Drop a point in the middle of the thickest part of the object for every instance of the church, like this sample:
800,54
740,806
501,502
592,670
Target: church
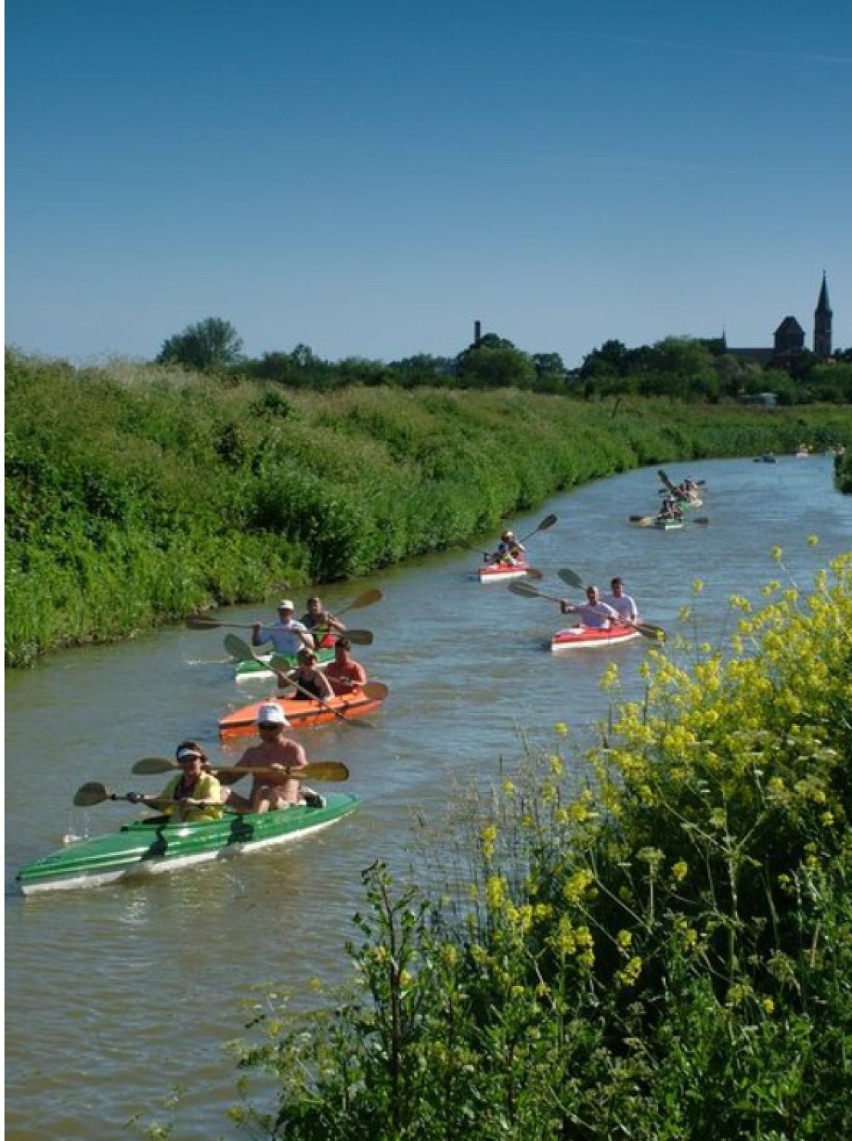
790,338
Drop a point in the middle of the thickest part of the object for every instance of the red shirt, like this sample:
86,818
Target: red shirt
343,672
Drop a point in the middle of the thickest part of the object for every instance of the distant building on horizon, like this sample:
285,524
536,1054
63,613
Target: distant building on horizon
790,337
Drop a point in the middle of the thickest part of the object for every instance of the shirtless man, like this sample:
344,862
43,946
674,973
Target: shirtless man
275,751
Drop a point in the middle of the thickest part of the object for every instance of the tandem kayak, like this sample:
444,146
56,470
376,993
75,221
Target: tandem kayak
591,637
502,572
300,714
257,669
148,847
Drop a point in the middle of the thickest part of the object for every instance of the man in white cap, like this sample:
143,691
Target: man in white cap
287,635
275,752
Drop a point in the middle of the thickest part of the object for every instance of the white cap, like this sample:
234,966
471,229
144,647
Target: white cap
187,754
271,714
286,604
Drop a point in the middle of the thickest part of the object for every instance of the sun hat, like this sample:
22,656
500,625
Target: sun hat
271,715
286,604
187,753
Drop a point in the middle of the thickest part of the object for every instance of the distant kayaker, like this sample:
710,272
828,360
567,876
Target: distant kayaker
322,624
509,550
344,673
594,613
621,602
275,751
196,792
670,509
287,635
310,681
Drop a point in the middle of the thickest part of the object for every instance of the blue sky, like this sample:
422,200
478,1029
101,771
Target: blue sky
370,178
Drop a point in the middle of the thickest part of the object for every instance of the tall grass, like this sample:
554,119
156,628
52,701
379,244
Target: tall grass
665,953
135,495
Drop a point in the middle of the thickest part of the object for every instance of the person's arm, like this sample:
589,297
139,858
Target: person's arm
306,636
324,684
566,607
256,627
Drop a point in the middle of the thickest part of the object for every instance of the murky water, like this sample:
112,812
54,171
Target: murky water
117,994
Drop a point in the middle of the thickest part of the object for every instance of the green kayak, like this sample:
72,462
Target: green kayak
148,847
256,669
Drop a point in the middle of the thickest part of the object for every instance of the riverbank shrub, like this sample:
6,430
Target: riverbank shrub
664,952
135,495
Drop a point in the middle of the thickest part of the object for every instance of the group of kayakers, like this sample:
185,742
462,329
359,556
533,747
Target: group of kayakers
196,793
599,612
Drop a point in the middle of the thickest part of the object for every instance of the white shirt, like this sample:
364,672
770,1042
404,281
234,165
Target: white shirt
285,636
624,605
597,616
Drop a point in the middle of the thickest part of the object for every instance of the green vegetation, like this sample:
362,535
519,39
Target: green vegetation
663,954
138,494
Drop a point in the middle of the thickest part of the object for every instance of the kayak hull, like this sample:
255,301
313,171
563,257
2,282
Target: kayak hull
145,848
257,669
497,572
589,637
300,714
668,524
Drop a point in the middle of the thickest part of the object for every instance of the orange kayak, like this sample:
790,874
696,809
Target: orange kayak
300,714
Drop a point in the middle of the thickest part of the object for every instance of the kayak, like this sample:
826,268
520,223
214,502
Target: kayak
256,669
148,847
300,714
502,572
591,637
668,524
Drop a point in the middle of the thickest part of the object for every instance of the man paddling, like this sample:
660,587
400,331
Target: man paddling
621,602
275,751
345,674
287,635
593,613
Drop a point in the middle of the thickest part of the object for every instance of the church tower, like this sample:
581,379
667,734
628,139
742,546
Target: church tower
822,323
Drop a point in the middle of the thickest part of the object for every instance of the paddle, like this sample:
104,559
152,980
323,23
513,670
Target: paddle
95,793
647,628
249,653
376,690
655,633
366,598
200,622
546,523
314,770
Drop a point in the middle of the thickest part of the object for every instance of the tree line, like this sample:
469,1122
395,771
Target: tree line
685,368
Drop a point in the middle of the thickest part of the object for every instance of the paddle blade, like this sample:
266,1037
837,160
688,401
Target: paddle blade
571,577
324,770
93,792
358,637
535,575
655,633
524,589
149,765
547,522
642,520
375,690
366,599
239,649
199,622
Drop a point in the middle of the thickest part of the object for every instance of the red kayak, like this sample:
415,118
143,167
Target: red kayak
585,637
300,714
503,572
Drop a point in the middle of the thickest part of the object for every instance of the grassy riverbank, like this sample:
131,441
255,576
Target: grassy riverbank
666,956
135,495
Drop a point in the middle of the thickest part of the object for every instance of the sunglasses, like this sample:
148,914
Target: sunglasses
270,725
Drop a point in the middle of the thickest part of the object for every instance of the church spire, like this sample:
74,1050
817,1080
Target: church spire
822,322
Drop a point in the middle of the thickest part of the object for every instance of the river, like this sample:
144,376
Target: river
117,995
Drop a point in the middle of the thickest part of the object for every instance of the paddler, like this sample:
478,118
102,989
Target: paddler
196,792
621,602
345,674
275,751
509,550
287,635
322,624
594,613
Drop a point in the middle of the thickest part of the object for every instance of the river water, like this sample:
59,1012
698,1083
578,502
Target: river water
117,995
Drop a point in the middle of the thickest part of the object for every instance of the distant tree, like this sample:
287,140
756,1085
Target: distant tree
550,372
210,345
493,362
